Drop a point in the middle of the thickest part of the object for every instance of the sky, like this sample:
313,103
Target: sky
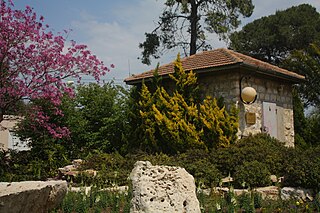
113,29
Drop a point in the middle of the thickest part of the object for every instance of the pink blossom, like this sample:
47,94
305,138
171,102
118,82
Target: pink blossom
34,65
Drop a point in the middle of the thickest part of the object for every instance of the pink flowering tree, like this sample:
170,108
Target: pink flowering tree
35,63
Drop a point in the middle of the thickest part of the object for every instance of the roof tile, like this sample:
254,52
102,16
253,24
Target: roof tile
215,58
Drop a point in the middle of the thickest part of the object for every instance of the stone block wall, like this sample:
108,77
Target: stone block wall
269,90
224,85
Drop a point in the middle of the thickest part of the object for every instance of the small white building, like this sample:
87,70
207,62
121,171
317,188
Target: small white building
7,138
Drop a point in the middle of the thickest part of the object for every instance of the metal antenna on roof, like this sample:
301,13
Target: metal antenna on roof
129,67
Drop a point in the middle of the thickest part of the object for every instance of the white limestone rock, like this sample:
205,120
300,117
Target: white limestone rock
273,178
31,196
160,189
287,193
225,190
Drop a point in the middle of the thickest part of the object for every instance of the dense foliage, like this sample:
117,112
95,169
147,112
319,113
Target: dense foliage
302,168
253,174
185,24
97,120
250,162
175,121
273,37
29,166
261,148
96,117
307,63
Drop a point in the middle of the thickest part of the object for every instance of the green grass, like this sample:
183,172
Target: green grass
95,201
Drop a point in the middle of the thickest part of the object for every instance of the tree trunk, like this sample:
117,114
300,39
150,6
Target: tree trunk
1,119
1,115
193,27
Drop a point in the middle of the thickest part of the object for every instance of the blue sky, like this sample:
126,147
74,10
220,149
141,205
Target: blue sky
113,28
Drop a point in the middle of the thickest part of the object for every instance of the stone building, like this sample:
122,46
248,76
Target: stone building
225,73
7,138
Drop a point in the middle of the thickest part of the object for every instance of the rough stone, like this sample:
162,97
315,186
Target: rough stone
227,179
86,190
31,196
162,189
225,190
70,171
287,193
269,192
273,178
204,191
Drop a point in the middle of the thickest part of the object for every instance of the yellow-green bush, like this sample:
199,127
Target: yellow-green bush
177,121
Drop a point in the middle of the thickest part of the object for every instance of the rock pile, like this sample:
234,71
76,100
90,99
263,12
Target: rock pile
70,171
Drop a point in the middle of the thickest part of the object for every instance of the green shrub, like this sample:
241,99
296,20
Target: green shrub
227,159
253,174
197,163
27,165
113,169
260,147
159,159
302,168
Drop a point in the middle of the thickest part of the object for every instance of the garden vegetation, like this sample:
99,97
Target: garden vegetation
111,128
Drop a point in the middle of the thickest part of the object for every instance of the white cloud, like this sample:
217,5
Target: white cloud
116,41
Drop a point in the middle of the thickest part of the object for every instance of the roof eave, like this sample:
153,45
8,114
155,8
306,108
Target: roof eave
198,71
251,67
273,73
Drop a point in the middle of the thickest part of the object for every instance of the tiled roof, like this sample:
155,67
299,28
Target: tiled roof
215,59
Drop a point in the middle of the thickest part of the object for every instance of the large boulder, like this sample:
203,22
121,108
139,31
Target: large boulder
31,196
162,189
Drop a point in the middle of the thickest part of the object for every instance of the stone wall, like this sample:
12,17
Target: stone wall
7,138
269,90
224,85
